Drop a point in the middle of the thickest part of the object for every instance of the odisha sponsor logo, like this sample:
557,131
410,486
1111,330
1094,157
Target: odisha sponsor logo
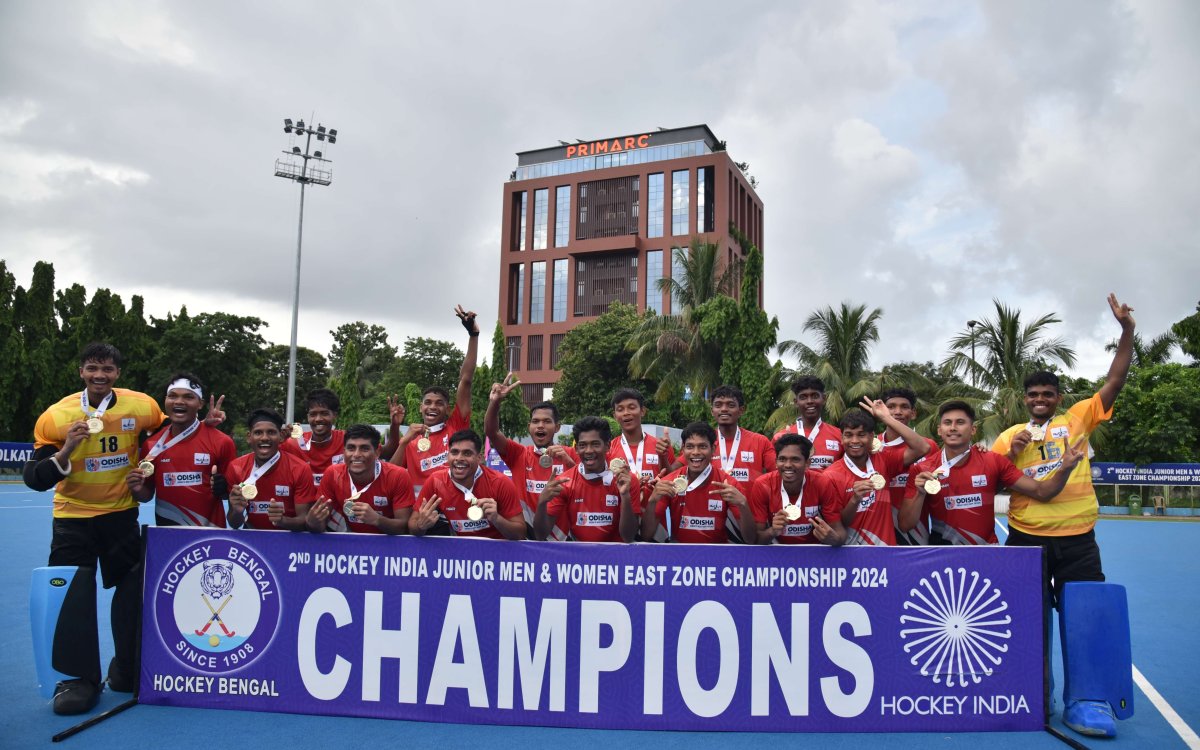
106,463
956,630
183,479
217,606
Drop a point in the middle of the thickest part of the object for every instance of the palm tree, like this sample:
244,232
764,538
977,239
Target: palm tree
1156,352
1006,353
844,339
670,348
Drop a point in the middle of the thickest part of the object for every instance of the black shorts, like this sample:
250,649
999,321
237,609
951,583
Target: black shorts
113,538
1068,558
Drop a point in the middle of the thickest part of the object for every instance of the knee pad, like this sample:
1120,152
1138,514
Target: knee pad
64,595
1097,660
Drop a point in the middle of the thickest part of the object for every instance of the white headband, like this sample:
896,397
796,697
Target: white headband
186,385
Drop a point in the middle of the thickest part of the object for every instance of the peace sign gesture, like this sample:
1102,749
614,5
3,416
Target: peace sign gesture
501,390
215,415
426,516
468,319
396,410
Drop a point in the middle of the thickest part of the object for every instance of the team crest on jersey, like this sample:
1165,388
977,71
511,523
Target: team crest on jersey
217,607
1060,433
128,424
282,490
106,463
748,457
832,445
202,459
338,459
979,480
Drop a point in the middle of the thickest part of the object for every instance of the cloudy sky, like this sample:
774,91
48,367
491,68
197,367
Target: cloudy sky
924,157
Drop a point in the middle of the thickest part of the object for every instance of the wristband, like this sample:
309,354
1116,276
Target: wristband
61,470
473,334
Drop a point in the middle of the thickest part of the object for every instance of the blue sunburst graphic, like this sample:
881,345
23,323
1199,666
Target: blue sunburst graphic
957,627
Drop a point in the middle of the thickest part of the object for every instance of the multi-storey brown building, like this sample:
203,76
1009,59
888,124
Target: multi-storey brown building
590,223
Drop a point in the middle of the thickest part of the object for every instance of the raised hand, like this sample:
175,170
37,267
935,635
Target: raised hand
426,516
215,415
501,390
1074,454
553,488
468,319
1123,313
728,492
396,410
76,434
874,407
318,513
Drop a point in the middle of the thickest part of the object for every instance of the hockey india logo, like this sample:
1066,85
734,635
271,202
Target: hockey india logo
217,606
955,627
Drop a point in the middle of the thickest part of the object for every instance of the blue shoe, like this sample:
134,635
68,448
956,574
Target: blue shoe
1091,718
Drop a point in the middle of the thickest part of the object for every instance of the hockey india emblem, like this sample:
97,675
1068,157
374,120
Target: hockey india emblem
955,627
217,606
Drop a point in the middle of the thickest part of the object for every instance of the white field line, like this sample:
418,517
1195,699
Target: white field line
1186,733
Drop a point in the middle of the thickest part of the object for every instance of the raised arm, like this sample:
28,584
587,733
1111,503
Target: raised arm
462,396
915,446
491,419
1119,369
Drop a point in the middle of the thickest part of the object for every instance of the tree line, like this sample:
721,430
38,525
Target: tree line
720,335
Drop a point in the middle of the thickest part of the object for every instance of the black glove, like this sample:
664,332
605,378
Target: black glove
220,486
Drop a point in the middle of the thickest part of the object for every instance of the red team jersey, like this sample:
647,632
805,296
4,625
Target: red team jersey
873,522
818,496
183,476
650,467
391,491
755,456
530,477
289,482
826,444
318,456
421,464
489,483
697,517
589,510
964,511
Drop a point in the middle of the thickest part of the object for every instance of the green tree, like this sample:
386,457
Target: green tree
594,362
1006,351
426,362
346,386
1156,418
13,373
47,376
844,337
514,415
1156,351
375,354
311,373
1187,334
671,349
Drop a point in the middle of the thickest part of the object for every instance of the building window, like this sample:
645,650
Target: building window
541,217
556,340
519,282
653,274
679,202
654,216
601,279
558,308
535,352
677,276
562,215
537,292
512,353
519,220
608,208
704,199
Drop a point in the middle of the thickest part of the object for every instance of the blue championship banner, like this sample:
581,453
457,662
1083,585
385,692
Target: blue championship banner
1172,474
647,636
14,455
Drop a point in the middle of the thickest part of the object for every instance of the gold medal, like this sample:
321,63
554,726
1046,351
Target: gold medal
616,464
877,481
932,486
249,491
95,425
475,513
545,461
876,445
297,432
792,512
1037,433
348,509
423,444
680,484
146,467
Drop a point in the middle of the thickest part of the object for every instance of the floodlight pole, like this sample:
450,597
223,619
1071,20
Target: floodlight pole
318,175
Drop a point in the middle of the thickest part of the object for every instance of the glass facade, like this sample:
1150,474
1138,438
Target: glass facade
654,215
520,293
679,202
558,308
704,200
519,219
537,292
677,276
541,217
562,215
604,161
653,274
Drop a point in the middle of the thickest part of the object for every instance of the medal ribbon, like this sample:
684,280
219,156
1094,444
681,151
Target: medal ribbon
729,459
260,470
699,480
641,452
606,475
98,412
467,493
799,498
163,444
435,428
812,437
354,490
890,443
948,464
854,469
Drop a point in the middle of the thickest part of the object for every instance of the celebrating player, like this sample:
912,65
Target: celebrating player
322,446
531,465
425,447
472,499
183,465
700,498
809,398
796,504
362,494
957,485
742,454
860,476
591,502
268,489
902,405
86,444
646,455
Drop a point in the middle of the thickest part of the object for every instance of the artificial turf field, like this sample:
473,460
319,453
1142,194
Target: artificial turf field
1158,561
